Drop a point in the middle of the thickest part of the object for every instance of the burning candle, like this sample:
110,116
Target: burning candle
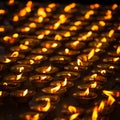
85,96
68,74
47,69
68,52
23,95
57,90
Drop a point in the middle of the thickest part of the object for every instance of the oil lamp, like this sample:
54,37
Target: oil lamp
30,115
49,69
22,95
85,96
39,80
43,106
59,59
54,90
19,68
68,52
70,75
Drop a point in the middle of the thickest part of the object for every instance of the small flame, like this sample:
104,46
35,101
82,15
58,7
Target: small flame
103,72
93,85
64,83
101,106
79,62
38,57
32,62
2,29
25,29
56,25
110,100
21,69
42,12
73,28
23,47
34,117
7,60
62,18
26,42
69,7
118,50
77,23
56,88
74,116
88,14
15,54
15,18
18,77
114,6
40,36
104,39
44,49
106,92
48,69
54,45
1,93
25,92
67,34
94,27
91,54
75,43
95,113
102,23
58,37
67,51
10,2
99,45
2,11
86,93
15,35
116,59
32,25
94,76
72,109
111,33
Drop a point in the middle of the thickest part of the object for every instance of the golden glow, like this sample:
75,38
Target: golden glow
101,106
41,12
32,25
2,11
79,62
56,25
23,47
22,12
25,29
108,15
38,57
58,37
18,77
44,49
114,6
91,54
104,39
62,19
7,60
94,76
67,51
93,85
86,93
33,117
72,109
111,33
39,19
102,23
110,100
69,7
48,69
116,59
99,45
15,54
106,92
1,93
54,45
32,62
15,18
103,71
73,28
74,116
52,5
67,34
2,29
77,23
118,50
118,28
56,88
21,69
64,83
10,2
25,92
40,36
26,42
94,6
29,4
75,43
88,14
94,28
15,35
95,113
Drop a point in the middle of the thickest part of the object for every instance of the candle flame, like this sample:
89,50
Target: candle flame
1,93
111,33
32,62
93,85
72,109
91,54
67,51
40,36
33,117
41,12
2,11
69,7
58,37
114,6
64,83
25,92
10,2
38,57
74,116
95,113
21,69
23,47
77,23
101,106
94,28
86,93
56,88
7,60
79,62
15,54
102,23
2,29
18,77
118,50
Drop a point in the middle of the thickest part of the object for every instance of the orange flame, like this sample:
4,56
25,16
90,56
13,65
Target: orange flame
102,23
86,93
77,23
58,37
38,57
2,29
10,2
91,54
101,106
25,92
41,12
111,33
74,116
1,93
54,45
118,50
32,25
21,69
15,18
64,83
18,77
2,11
95,113
114,6
62,18
69,7
72,109
56,88
15,54
93,85
94,27
79,62
7,60
33,117
23,47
